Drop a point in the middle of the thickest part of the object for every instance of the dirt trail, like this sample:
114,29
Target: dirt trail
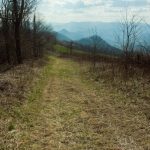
74,116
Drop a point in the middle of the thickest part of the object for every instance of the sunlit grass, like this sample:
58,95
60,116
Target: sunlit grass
61,48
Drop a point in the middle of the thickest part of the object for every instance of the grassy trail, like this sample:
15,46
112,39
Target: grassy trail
73,115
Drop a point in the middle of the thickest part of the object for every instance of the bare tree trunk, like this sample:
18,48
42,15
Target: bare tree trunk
7,48
34,37
94,56
6,36
95,43
18,43
17,23
4,15
71,47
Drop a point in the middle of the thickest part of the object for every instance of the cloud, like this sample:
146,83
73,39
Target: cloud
77,5
130,3
82,4
90,10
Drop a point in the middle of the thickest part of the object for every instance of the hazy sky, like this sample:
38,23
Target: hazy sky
91,10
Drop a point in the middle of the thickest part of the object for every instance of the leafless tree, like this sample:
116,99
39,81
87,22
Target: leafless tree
130,32
20,9
41,33
95,45
35,53
16,25
5,15
71,47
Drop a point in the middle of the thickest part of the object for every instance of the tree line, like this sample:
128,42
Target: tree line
22,34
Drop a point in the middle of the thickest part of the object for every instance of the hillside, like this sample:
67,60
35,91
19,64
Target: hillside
72,35
102,46
62,37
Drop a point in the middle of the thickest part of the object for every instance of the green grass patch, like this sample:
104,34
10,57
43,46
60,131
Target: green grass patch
36,92
61,48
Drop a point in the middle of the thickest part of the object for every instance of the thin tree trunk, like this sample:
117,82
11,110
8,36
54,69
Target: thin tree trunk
7,50
6,36
17,24
18,43
35,51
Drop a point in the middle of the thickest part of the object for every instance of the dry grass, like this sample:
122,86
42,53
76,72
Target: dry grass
16,82
135,87
74,112
16,87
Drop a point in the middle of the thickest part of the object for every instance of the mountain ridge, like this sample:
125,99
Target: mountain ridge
107,30
101,45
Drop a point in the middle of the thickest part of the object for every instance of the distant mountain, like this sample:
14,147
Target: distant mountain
90,41
107,30
102,45
72,35
62,37
79,30
64,32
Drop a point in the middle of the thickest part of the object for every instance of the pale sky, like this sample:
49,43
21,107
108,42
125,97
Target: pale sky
91,10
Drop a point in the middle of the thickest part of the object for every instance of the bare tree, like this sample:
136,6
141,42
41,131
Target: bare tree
71,47
21,9
130,32
5,16
41,34
16,26
95,45
35,53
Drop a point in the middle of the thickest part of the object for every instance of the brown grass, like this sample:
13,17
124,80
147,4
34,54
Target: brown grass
81,111
16,82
